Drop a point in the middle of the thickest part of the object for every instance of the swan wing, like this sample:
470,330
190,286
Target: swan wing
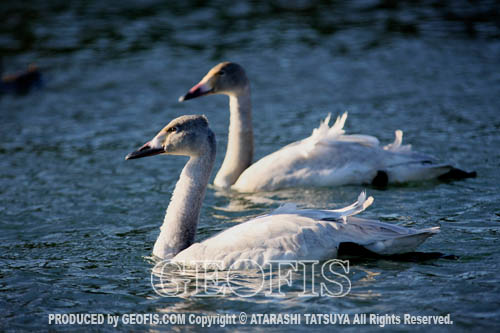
325,134
330,158
326,158
328,215
295,237
298,235
331,163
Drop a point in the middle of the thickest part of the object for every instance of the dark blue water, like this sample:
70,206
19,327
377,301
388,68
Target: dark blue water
78,222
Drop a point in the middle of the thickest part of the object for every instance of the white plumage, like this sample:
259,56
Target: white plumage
287,233
300,234
328,157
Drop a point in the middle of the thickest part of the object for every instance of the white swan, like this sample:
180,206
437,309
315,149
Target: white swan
287,233
327,158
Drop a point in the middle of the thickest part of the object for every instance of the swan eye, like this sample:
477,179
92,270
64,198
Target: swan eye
172,129
221,73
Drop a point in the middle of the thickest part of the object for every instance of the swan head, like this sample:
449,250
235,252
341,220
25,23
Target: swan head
185,135
227,78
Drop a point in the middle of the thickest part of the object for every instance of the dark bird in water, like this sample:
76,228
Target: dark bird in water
20,83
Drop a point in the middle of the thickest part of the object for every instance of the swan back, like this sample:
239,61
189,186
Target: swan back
289,233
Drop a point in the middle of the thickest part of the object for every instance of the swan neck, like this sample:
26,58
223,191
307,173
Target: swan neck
181,219
239,152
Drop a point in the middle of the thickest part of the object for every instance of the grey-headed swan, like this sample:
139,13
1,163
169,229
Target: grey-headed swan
327,158
286,233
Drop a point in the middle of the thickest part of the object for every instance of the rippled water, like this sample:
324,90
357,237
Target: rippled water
78,222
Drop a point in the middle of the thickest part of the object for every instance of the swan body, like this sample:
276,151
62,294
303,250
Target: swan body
287,233
328,157
331,158
294,234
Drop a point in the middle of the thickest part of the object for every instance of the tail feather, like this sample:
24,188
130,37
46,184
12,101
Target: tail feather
397,146
325,131
357,207
339,123
349,249
418,172
457,174
401,244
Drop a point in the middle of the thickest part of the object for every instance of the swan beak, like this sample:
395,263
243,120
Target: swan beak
146,150
198,90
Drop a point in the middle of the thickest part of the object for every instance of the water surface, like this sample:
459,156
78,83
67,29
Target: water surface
78,222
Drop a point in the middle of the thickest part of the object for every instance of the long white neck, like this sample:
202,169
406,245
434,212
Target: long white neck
181,220
239,153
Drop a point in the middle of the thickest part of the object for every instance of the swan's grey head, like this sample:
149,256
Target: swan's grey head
186,135
226,78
